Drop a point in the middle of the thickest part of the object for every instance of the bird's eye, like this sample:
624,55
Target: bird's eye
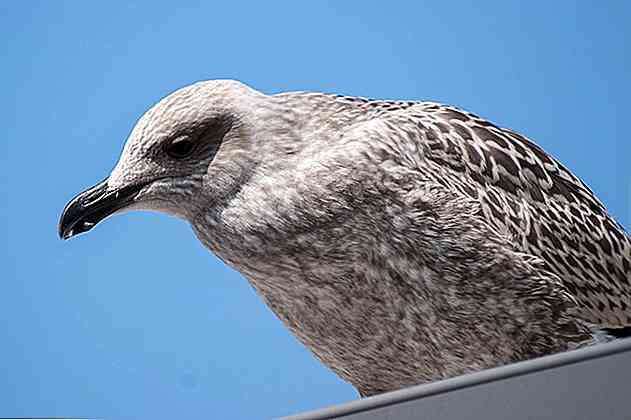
180,148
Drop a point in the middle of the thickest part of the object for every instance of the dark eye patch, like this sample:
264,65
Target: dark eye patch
202,139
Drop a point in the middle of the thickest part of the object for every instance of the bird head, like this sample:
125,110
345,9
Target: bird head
188,151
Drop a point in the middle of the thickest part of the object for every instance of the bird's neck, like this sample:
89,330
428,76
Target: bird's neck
303,178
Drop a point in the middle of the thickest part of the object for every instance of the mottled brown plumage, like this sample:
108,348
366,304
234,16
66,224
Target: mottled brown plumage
401,242
525,192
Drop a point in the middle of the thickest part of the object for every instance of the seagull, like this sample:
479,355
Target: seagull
401,242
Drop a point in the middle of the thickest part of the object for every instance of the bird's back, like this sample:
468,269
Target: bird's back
528,194
519,189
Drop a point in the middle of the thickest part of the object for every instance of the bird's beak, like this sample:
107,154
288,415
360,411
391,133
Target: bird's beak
87,209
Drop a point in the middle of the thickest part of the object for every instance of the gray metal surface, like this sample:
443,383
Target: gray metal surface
591,383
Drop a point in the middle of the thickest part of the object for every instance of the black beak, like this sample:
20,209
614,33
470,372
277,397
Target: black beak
87,209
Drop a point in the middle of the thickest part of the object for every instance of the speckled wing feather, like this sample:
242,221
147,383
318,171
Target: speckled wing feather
527,193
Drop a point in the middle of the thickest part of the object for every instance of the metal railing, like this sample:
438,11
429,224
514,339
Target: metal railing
592,383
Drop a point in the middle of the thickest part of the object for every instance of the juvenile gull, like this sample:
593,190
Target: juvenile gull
401,242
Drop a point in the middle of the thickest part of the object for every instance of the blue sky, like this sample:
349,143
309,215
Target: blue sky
136,319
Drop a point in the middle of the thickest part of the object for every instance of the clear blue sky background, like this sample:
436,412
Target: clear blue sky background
136,319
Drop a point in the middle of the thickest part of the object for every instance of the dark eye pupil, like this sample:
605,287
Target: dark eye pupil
180,148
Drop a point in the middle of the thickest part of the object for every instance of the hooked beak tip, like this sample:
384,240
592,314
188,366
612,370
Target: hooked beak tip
88,208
